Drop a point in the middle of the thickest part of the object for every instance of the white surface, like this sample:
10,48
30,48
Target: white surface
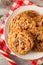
3,61
19,61
31,55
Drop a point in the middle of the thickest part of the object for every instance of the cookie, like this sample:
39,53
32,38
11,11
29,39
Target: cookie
20,42
38,44
39,34
38,47
39,26
22,22
32,13
39,20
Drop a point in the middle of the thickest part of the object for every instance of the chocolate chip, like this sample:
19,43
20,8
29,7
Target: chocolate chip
26,28
22,35
42,23
24,20
39,41
37,25
23,48
31,15
30,45
15,35
16,43
18,18
13,19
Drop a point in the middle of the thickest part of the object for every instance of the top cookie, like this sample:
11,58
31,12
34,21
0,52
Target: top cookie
23,22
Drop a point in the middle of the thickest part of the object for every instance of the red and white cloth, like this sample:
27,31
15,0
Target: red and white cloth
3,48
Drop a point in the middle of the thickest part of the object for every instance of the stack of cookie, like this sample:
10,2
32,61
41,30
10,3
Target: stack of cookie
26,32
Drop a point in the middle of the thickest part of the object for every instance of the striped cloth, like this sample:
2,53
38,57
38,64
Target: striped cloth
3,47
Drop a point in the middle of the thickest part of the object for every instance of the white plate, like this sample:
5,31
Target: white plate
30,55
38,2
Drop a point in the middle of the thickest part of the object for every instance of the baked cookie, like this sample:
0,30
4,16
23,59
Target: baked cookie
20,42
38,47
38,38
22,22
39,20
39,34
39,26
32,13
